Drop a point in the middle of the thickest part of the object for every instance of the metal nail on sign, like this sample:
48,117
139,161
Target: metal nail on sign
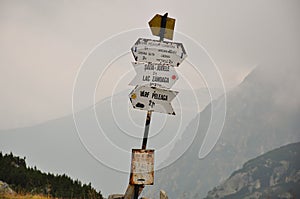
148,50
152,99
154,74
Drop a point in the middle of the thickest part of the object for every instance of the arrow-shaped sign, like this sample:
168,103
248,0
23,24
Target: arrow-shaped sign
153,99
148,50
154,74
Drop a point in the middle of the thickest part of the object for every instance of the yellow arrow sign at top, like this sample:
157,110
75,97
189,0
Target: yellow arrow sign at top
156,24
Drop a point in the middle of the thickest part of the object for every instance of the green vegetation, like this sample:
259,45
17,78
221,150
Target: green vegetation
25,180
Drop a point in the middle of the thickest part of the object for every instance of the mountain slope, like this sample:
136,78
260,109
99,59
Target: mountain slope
275,174
26,180
262,114
58,147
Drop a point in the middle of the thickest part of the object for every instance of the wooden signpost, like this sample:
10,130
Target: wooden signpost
155,67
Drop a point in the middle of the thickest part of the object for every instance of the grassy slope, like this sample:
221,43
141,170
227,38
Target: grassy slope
17,196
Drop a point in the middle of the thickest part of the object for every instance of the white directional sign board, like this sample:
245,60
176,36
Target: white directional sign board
153,99
154,74
148,50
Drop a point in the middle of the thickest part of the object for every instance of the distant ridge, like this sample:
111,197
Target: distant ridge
262,114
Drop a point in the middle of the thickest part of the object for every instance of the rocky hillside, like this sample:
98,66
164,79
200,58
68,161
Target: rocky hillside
262,114
275,174
5,189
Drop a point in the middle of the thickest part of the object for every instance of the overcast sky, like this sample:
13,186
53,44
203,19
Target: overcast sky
43,43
